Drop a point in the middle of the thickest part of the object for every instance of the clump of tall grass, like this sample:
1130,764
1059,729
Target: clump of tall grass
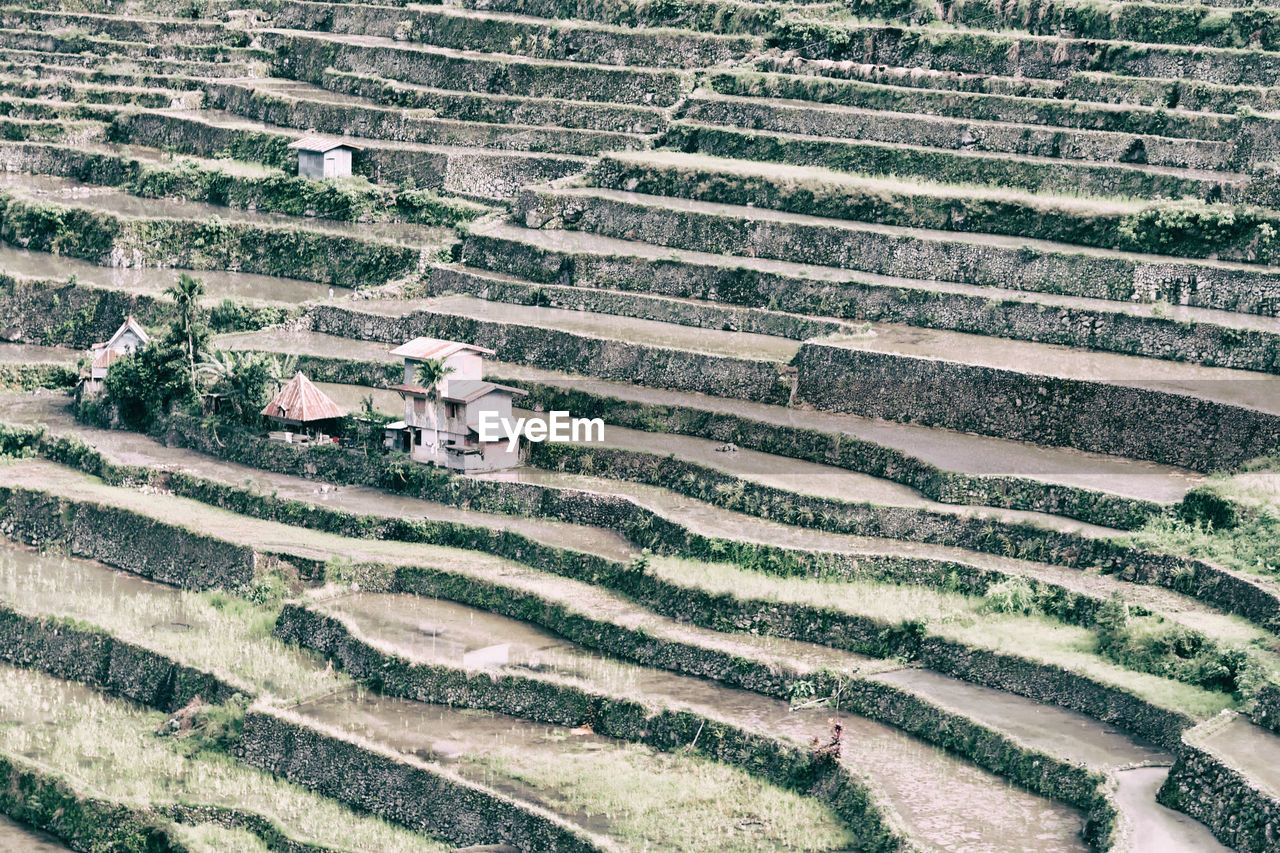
110,748
669,801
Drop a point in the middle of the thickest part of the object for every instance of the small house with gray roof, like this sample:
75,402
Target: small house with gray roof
322,157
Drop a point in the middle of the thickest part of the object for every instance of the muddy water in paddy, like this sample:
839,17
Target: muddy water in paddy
132,448
19,838
943,801
812,478
32,354
149,279
742,345
40,583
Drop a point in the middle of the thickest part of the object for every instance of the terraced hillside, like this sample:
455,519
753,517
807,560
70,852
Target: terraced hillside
938,347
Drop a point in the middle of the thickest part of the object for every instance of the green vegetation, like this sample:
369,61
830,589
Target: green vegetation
347,199
1233,520
111,748
665,801
1166,664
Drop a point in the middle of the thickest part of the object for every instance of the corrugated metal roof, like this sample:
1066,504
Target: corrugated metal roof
107,355
322,144
301,401
467,390
421,349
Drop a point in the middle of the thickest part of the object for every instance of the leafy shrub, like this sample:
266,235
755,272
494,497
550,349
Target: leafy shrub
1205,506
1195,229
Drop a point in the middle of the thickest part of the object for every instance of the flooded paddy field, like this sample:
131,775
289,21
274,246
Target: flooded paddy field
640,798
1067,222
218,284
909,775
16,838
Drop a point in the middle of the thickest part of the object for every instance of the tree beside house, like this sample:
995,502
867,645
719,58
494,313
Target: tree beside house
445,395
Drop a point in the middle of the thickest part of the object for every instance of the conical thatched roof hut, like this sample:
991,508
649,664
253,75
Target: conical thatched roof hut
302,404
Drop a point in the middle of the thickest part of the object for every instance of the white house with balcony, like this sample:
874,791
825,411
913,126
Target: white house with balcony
441,424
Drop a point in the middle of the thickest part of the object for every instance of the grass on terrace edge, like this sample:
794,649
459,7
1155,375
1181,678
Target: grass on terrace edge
112,748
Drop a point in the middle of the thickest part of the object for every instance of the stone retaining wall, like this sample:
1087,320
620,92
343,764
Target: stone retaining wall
553,349
105,238
861,298
1235,808
547,700
1164,427
121,538
945,257
1014,55
844,451
400,788
1266,707
49,803
80,653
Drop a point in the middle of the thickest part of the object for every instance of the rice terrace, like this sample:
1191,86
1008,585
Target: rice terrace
594,426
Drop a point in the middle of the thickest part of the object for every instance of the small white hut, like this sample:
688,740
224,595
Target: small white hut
322,157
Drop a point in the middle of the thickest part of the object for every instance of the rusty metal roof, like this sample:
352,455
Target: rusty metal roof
301,401
322,144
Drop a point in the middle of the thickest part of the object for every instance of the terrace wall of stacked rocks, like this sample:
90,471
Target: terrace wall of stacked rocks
1266,708
555,703
1016,55
90,656
78,315
302,57
1242,238
738,284
123,539
861,634
290,252
471,171
846,451
1227,590
559,703
1175,429
271,193
399,788
1203,786
722,376
50,803
1101,276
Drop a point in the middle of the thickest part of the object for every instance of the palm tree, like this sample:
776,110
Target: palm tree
186,293
237,376
430,374
281,369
